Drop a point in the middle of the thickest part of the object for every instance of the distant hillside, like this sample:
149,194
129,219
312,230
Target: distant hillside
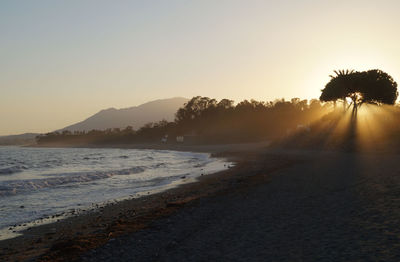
135,116
23,139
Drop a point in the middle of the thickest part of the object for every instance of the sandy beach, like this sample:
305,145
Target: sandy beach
274,205
215,131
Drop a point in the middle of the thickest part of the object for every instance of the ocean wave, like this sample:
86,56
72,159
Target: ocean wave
159,165
92,158
12,170
159,181
147,158
55,180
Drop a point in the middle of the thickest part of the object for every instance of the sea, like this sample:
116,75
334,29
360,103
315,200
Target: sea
39,185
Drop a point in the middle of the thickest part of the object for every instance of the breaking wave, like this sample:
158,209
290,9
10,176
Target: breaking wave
54,180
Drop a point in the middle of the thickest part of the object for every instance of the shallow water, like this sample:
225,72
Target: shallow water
40,182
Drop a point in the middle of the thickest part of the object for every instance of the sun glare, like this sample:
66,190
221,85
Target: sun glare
364,128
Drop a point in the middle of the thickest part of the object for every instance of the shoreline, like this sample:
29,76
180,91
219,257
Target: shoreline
87,230
200,148
42,212
288,205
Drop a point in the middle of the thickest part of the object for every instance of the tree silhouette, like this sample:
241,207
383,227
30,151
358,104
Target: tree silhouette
373,86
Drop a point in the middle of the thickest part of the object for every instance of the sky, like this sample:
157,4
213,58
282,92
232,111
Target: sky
62,61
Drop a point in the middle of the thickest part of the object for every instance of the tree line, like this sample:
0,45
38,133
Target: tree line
207,120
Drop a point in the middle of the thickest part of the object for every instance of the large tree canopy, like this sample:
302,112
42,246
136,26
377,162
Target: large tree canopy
373,86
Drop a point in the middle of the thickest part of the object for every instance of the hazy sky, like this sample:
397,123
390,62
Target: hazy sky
62,61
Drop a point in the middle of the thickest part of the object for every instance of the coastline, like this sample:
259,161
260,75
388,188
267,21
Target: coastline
66,238
201,148
287,205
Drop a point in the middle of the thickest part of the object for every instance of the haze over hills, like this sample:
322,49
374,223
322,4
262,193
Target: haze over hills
136,116
22,139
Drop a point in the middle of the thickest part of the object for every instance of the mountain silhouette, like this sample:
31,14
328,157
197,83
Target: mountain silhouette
135,117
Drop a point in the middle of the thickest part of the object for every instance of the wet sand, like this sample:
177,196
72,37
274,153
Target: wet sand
275,205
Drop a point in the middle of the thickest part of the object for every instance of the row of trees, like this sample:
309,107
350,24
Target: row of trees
109,136
212,121
246,121
207,120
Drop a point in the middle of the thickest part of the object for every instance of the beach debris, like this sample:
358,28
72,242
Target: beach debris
21,206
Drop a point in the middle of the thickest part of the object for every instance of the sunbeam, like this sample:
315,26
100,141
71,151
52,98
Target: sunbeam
368,128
